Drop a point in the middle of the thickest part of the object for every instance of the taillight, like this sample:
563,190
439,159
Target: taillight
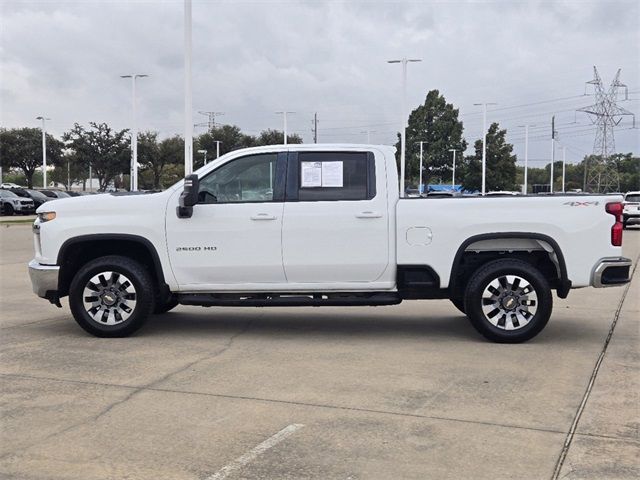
615,209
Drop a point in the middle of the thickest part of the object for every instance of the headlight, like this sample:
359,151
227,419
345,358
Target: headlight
46,216
16,202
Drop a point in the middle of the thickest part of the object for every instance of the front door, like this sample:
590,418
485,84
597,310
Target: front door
336,220
234,235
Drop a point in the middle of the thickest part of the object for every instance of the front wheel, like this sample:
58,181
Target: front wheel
508,301
8,210
111,296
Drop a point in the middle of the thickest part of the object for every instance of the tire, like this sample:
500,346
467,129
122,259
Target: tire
8,210
495,301
111,296
458,302
163,306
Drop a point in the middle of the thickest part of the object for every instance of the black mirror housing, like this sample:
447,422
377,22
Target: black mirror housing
189,196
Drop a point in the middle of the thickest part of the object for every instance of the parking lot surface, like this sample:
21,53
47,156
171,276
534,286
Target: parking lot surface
403,392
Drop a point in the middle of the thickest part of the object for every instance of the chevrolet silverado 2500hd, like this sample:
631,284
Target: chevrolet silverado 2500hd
313,225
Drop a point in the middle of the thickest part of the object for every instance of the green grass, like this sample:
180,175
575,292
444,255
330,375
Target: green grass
22,221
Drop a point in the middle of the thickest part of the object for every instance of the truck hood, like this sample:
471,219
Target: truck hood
102,203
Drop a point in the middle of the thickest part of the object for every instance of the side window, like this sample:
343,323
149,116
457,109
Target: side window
245,179
335,176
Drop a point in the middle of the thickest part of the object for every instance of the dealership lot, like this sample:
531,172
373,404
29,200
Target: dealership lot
409,391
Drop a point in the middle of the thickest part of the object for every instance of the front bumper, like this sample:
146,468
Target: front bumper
611,272
44,280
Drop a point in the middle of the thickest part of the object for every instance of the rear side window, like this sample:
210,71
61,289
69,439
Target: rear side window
632,198
331,176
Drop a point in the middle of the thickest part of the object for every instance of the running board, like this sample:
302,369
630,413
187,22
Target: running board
289,300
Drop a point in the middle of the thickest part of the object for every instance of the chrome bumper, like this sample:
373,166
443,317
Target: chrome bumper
44,279
611,272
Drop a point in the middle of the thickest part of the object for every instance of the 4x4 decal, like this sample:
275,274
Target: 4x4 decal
582,204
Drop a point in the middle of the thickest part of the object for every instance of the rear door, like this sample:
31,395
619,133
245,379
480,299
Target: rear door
336,220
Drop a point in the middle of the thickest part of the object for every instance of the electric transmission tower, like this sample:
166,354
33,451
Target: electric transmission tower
601,171
211,123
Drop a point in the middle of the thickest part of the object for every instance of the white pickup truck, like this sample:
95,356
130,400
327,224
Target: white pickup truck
313,225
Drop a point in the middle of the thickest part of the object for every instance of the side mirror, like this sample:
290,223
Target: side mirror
189,196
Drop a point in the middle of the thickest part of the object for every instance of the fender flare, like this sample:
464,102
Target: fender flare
564,284
157,264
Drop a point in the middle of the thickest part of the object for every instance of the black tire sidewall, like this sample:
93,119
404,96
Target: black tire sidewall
9,210
141,281
486,274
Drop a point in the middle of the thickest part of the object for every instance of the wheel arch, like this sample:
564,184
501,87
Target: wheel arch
76,251
562,284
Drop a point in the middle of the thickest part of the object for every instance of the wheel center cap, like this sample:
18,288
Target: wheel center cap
510,302
109,298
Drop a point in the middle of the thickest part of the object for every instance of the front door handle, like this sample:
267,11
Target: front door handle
369,215
262,216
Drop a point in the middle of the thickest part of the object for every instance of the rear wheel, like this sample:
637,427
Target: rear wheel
508,301
111,296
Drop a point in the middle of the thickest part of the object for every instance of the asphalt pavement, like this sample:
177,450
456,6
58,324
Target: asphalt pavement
403,392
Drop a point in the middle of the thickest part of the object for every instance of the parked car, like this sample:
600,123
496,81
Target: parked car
12,203
10,185
502,193
631,212
328,230
37,197
55,193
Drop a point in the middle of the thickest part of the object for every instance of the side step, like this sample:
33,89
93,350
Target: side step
289,300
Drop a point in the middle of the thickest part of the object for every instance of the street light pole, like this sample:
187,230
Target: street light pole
453,174
564,165
484,145
420,189
553,149
526,156
133,169
284,115
403,132
188,96
218,142
44,150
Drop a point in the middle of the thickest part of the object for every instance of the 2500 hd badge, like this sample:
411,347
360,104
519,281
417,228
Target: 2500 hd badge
195,249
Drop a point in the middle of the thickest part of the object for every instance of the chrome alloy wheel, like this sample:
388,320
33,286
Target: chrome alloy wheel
509,302
109,298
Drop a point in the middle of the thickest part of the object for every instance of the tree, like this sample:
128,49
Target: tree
69,170
21,148
104,149
436,124
230,136
155,156
501,164
629,171
276,137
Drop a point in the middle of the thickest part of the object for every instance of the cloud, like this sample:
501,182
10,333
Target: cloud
252,58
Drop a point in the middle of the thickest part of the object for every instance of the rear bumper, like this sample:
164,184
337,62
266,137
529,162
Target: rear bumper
611,272
44,280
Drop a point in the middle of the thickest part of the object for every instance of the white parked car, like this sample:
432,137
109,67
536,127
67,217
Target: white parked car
631,212
13,204
314,225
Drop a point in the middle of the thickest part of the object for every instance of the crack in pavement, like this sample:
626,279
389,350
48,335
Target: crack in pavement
592,379
136,390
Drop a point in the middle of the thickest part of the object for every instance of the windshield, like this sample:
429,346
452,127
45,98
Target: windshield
7,194
632,198
62,194
38,195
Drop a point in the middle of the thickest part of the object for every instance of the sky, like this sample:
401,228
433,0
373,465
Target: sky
63,60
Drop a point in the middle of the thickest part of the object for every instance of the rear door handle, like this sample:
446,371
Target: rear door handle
262,216
369,215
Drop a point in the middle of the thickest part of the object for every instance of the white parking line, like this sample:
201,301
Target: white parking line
255,452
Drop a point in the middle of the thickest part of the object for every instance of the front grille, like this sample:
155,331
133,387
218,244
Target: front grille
26,202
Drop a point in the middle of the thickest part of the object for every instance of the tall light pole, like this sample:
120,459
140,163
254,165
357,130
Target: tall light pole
420,189
188,96
526,156
453,174
553,149
44,150
403,132
133,169
205,155
484,145
218,142
284,116
564,165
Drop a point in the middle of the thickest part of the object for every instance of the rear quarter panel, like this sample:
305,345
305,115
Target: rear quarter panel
579,224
